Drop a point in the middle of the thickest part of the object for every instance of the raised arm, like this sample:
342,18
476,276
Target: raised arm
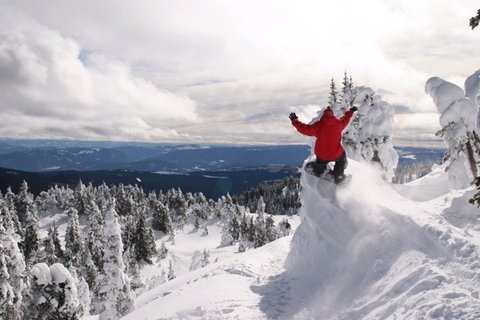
347,116
306,129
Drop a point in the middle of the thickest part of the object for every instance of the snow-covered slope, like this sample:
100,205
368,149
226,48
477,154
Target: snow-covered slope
365,250
371,251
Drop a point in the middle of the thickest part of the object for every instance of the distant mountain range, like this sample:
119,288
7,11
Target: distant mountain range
212,169
49,156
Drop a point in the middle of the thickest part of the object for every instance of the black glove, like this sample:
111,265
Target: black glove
292,116
353,109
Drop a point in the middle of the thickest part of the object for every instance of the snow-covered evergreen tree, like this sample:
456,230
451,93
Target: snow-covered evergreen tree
53,249
270,229
24,203
458,127
84,294
333,96
284,227
73,240
178,206
200,259
369,137
161,220
114,285
143,240
9,205
163,251
12,278
171,272
7,294
95,235
347,96
31,239
260,228
53,294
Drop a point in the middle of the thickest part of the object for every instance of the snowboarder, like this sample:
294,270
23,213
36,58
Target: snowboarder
328,146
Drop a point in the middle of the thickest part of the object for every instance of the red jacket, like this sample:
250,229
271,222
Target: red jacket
328,131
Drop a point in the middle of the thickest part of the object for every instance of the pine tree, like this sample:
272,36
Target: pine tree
53,249
205,258
270,229
458,128
333,99
24,203
31,240
114,285
73,240
475,20
78,194
251,230
53,294
161,218
95,235
143,241
9,204
124,201
163,251
260,232
7,295
12,269
83,293
244,227
178,206
171,273
368,138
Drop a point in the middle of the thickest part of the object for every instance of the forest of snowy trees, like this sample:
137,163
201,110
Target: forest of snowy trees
92,267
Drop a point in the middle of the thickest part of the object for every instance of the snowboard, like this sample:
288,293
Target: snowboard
327,175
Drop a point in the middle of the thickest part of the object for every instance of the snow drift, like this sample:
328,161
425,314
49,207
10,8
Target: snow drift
372,250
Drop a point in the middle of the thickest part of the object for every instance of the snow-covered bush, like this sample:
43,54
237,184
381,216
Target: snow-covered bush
53,294
458,117
369,137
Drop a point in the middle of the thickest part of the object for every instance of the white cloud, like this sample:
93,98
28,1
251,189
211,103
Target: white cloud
47,91
233,69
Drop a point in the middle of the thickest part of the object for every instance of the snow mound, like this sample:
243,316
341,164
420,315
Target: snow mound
370,250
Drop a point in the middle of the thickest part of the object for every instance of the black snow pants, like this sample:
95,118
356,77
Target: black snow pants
318,166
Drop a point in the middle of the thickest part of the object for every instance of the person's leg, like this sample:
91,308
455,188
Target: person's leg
317,167
339,168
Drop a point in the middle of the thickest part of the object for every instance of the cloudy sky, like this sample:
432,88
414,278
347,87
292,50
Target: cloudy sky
220,70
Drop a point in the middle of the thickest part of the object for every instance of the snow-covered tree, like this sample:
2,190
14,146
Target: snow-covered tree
284,227
458,114
270,229
200,259
31,239
333,96
7,294
12,278
171,272
114,285
161,220
369,137
24,203
9,204
73,240
163,251
143,241
53,294
178,206
475,20
53,249
95,235
83,293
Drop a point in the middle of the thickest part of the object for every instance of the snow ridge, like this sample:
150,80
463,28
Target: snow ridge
367,251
